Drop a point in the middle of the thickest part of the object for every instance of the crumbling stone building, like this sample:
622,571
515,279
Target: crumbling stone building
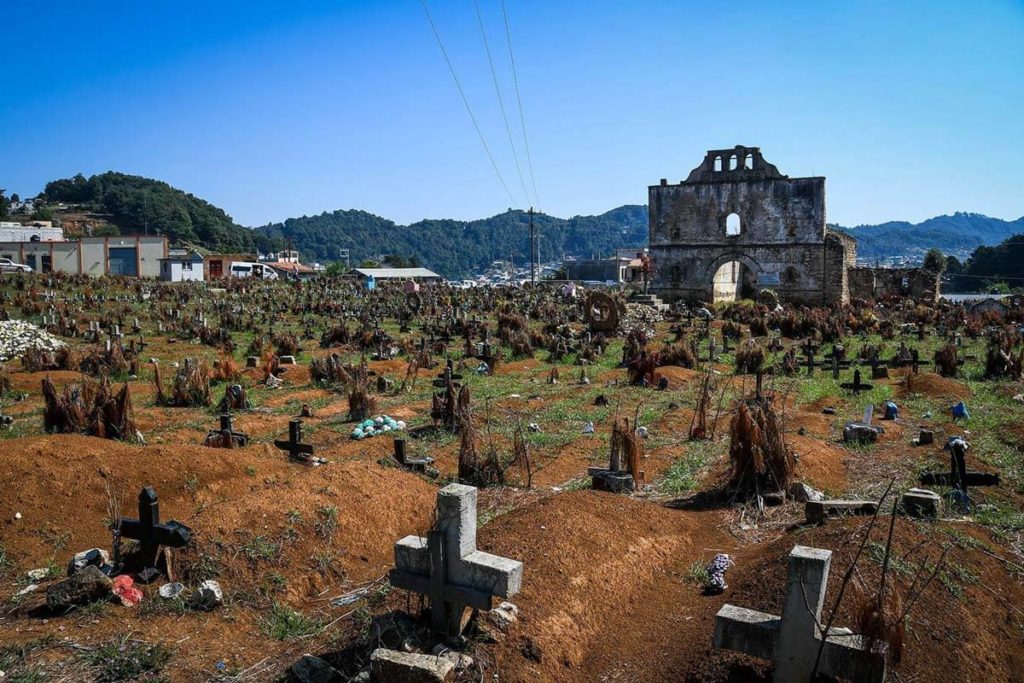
906,283
737,225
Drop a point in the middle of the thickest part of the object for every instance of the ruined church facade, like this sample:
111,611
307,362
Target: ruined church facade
737,226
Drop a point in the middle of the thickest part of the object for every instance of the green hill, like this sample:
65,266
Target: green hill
958,235
457,249
132,203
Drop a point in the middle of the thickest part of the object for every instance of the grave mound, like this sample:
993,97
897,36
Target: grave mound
934,385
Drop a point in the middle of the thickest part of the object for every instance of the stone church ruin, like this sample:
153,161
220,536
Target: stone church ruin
737,226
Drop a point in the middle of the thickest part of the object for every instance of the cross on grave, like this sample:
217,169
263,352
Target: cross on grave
837,363
725,343
879,369
294,446
228,436
915,360
856,386
447,567
809,361
958,477
151,534
793,640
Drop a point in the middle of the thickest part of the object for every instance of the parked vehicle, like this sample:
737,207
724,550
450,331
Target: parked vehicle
248,269
9,266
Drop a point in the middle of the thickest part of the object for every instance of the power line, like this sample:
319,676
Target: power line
465,101
501,102
519,102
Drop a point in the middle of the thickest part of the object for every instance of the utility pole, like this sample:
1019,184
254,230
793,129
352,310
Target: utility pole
533,250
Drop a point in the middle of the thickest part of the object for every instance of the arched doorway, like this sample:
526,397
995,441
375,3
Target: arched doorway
732,278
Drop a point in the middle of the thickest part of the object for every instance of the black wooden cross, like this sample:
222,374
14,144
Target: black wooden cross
229,437
856,386
958,477
294,446
915,360
725,343
809,361
879,367
151,534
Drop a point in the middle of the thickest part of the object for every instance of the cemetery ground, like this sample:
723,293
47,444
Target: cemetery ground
614,585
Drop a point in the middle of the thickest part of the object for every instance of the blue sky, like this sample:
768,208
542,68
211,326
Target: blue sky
272,110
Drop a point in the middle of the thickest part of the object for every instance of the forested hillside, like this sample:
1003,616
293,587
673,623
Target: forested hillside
958,235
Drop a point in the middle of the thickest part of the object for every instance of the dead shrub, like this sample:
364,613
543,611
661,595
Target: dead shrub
680,355
751,357
760,459
190,387
626,448
286,345
329,371
360,404
947,362
89,408
336,336
226,369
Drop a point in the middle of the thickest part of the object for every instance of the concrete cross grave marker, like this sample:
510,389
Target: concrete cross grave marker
448,568
792,641
151,534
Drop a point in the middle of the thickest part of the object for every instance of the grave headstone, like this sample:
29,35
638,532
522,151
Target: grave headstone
793,640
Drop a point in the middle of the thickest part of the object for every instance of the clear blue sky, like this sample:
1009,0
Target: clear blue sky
278,109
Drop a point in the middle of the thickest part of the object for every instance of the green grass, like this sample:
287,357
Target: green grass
127,660
260,548
283,623
683,475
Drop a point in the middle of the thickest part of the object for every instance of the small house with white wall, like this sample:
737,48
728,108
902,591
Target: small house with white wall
182,268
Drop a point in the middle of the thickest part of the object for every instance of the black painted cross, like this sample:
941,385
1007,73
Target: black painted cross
151,534
809,361
958,476
856,386
294,446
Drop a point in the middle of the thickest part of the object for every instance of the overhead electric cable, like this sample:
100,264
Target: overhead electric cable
501,101
519,102
465,101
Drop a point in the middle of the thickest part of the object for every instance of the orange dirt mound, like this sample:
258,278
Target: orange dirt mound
931,384
228,497
599,567
677,376
819,464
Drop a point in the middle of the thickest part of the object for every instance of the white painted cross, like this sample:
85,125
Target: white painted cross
448,568
793,639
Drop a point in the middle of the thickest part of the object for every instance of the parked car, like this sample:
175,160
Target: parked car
257,270
9,266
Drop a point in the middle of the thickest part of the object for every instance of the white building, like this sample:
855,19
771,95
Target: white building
182,268
36,231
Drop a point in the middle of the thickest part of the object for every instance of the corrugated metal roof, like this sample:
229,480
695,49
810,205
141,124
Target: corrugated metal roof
393,273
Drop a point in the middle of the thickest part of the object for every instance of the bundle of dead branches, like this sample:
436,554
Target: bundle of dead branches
699,422
627,449
519,344
641,368
947,361
329,371
190,386
5,380
35,359
226,368
474,469
235,398
89,408
360,404
106,361
286,345
336,336
1002,362
761,461
750,358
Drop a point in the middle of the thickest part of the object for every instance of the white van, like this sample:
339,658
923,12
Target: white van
248,269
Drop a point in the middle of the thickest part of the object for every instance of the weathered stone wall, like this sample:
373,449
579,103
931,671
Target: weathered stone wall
910,283
781,237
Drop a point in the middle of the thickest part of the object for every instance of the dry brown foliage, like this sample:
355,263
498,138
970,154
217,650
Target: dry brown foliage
761,460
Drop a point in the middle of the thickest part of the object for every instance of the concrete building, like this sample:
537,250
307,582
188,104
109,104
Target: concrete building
182,268
736,225
623,268
132,255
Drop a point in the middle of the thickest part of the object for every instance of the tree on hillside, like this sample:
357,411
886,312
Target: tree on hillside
934,261
5,204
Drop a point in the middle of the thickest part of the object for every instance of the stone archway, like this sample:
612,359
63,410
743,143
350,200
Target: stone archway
731,276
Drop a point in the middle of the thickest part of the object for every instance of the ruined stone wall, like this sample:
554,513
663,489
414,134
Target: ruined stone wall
780,237
910,283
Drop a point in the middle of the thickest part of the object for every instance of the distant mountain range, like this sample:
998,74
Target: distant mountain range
455,249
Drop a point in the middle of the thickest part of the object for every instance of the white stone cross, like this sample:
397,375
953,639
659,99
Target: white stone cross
792,640
448,568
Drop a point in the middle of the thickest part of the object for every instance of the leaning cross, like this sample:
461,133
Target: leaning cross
150,533
793,640
448,568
